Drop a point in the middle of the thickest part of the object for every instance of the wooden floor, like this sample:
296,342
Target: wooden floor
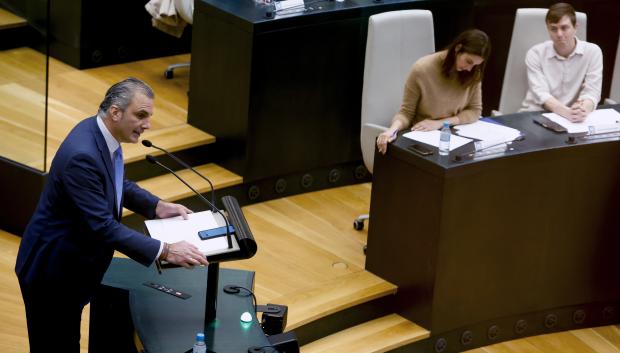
73,95
303,240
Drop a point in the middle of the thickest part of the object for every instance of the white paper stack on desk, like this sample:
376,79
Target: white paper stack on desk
605,119
488,134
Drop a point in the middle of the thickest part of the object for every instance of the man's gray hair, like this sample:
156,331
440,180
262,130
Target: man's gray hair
121,94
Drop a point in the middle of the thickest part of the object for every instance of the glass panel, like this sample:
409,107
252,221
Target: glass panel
23,81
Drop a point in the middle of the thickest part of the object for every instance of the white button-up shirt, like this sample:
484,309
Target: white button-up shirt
110,141
576,77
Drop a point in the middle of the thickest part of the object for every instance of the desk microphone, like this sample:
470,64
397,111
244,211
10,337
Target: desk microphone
147,143
154,160
459,157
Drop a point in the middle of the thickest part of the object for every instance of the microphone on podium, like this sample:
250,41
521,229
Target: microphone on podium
148,143
153,160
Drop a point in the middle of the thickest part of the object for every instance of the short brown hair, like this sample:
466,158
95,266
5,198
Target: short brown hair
559,10
473,42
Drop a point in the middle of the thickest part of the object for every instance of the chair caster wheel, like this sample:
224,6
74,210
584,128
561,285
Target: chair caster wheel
168,74
358,225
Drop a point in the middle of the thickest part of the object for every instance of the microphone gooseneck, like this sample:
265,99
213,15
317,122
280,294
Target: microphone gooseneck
148,143
153,160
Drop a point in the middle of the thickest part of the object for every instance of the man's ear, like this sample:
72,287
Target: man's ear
115,112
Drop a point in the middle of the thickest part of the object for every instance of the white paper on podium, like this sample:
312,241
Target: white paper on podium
432,138
175,229
602,117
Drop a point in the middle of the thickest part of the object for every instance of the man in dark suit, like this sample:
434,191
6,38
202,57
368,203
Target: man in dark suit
70,240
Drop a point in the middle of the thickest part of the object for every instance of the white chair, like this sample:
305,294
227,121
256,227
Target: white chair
395,41
185,9
529,29
614,93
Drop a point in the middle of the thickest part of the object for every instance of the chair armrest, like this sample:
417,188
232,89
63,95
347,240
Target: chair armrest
368,141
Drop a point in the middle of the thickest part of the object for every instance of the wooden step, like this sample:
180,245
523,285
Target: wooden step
173,138
310,304
169,188
379,335
26,144
10,20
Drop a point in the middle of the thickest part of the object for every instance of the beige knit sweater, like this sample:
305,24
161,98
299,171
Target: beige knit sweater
430,95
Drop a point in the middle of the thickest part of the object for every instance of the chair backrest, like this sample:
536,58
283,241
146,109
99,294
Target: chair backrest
395,41
185,9
529,29
615,79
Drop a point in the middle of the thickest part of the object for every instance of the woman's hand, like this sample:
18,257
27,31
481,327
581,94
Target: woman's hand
384,138
427,125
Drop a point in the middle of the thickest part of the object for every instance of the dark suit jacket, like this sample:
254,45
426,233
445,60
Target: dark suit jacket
75,228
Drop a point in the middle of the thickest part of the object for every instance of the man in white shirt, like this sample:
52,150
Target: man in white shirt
564,74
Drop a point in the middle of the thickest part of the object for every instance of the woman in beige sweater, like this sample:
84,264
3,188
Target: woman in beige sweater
443,86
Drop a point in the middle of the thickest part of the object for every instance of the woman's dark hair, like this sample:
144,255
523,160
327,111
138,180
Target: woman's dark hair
474,42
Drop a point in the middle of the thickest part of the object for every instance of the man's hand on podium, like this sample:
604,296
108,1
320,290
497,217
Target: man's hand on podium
167,209
184,254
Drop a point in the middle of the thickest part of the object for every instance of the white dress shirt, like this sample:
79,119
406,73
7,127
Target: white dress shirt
576,77
110,141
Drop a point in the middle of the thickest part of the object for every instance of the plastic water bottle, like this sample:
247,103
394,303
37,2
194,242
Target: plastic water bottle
200,346
444,139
